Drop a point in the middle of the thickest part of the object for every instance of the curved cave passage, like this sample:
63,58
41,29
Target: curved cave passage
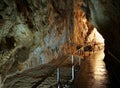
110,62
102,68
105,63
93,72
108,26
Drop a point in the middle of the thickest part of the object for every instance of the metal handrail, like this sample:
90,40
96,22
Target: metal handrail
73,69
77,51
58,77
113,56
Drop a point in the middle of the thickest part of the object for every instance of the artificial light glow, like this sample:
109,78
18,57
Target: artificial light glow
98,36
95,37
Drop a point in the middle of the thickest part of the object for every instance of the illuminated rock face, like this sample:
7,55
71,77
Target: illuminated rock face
80,26
84,31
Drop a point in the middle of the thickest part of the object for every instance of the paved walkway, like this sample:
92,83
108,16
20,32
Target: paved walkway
92,73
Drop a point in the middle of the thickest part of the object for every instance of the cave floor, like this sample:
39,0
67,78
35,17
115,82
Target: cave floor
91,74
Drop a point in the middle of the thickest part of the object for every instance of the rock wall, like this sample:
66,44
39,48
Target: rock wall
80,26
84,32
32,32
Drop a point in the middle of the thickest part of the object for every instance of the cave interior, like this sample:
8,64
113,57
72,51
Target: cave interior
34,33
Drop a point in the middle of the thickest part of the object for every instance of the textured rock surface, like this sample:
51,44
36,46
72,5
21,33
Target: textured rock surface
84,31
31,33
82,28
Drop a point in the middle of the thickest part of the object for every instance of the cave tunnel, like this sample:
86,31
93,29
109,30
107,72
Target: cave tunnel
108,29
59,44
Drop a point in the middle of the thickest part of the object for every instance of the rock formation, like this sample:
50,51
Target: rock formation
34,32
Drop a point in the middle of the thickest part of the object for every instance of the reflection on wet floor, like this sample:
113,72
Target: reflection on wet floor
92,73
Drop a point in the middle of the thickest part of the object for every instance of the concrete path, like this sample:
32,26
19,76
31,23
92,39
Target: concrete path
92,74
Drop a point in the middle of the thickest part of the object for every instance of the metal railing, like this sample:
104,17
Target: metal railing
73,64
113,56
72,68
58,77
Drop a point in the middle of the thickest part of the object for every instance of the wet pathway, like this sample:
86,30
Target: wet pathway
92,73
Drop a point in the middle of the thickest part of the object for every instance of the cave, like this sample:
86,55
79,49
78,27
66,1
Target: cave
59,44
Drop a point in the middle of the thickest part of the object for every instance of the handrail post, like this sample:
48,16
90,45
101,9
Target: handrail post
58,77
72,60
0,81
79,58
84,52
73,71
